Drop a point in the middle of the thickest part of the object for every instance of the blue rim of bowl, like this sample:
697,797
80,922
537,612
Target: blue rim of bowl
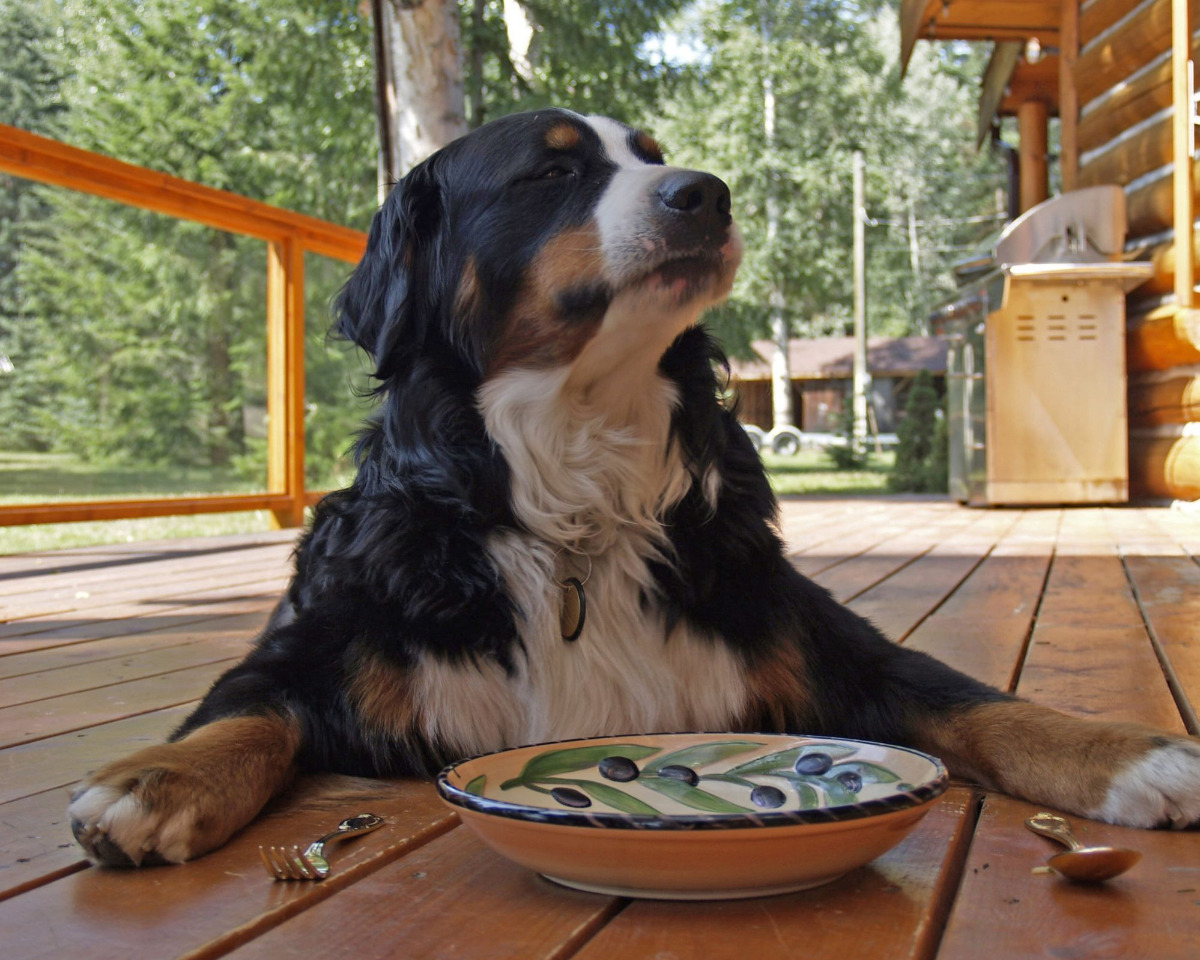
901,800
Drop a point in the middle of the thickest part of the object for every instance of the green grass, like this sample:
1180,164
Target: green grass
52,478
46,478
812,472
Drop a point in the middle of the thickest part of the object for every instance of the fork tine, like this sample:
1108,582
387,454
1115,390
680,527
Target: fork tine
268,859
303,870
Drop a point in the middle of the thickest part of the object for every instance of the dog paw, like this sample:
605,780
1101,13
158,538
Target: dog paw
120,825
176,801
1161,788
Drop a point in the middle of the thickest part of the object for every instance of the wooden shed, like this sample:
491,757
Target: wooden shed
1117,74
822,370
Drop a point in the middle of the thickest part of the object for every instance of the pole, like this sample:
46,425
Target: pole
1183,153
861,375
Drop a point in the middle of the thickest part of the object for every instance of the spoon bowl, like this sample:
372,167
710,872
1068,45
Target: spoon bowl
1081,863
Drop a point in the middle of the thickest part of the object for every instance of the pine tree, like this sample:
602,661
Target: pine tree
916,438
31,75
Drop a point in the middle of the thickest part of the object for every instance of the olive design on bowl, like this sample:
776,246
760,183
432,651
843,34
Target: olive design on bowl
814,764
768,797
570,797
850,780
620,769
676,771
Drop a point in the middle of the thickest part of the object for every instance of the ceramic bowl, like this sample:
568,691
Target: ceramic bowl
694,816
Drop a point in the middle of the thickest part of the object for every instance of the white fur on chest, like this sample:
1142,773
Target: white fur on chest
581,485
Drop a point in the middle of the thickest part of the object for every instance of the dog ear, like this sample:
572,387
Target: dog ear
389,303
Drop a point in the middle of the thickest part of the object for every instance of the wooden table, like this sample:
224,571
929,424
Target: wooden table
1094,610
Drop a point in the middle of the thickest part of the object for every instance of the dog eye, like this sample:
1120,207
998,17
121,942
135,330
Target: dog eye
555,171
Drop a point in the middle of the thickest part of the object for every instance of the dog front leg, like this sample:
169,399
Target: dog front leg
175,801
1118,772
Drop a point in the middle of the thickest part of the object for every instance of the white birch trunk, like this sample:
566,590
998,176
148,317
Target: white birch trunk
782,408
423,58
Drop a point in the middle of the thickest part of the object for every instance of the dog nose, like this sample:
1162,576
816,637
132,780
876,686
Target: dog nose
700,194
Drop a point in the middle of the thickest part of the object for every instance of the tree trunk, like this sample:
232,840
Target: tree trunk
782,408
519,25
419,55
478,114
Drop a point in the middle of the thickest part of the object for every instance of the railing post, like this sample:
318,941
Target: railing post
285,378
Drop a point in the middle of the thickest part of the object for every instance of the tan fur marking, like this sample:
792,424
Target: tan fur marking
207,786
382,694
777,691
649,146
1036,753
537,334
466,298
563,136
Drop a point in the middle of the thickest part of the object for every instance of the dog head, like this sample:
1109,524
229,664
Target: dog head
541,239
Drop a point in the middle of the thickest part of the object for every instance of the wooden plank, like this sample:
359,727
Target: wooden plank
1115,55
36,720
1089,657
37,687
851,577
48,161
62,634
120,592
1129,103
49,562
1148,149
17,514
983,628
1168,591
845,538
1005,910
1099,15
15,636
101,568
36,845
79,593
1182,525
1090,653
891,908
225,898
900,603
59,761
459,900
119,648
285,380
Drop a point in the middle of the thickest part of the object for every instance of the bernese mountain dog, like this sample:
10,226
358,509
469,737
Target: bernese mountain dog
559,530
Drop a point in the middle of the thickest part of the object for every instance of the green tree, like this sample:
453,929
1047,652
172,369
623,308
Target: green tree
914,469
832,69
588,55
152,328
30,80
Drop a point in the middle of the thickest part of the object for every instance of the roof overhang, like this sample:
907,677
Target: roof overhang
1009,81
995,20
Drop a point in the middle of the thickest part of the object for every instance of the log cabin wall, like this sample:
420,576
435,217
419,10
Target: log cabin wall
1123,78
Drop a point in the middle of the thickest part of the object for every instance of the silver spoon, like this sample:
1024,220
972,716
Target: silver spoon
1079,862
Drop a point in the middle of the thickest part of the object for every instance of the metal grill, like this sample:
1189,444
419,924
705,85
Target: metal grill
1036,364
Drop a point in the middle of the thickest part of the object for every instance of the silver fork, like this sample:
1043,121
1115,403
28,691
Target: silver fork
310,864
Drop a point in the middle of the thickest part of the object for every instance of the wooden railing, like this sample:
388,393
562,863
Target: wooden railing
288,237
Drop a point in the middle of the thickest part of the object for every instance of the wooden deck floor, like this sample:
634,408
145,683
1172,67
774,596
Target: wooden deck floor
1096,611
